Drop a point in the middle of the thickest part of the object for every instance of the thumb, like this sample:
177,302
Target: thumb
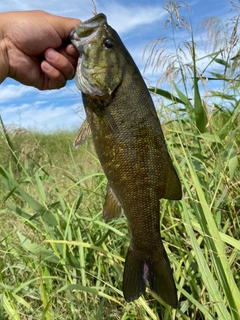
63,25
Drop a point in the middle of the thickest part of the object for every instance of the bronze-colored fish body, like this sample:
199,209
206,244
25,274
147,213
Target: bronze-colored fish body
130,145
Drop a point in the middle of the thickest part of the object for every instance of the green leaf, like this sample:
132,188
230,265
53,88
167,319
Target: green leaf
222,95
222,62
9,308
216,250
219,76
166,94
185,100
211,55
206,273
200,112
10,143
40,210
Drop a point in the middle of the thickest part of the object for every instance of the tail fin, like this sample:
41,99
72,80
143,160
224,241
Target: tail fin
156,269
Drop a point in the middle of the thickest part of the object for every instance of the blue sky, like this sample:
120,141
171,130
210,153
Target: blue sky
137,22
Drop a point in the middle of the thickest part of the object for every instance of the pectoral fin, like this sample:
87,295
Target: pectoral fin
112,208
173,189
83,133
111,120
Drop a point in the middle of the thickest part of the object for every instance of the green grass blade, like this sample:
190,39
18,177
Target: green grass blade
200,112
9,308
40,210
216,246
166,94
209,281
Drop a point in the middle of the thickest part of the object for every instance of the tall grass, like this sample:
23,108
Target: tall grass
60,260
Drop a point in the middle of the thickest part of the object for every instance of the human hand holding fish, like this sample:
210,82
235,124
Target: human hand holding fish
32,50
121,118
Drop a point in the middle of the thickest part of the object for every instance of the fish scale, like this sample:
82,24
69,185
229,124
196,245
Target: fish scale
130,144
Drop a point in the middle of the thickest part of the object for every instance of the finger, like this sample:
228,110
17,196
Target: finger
54,79
61,63
72,51
71,54
63,25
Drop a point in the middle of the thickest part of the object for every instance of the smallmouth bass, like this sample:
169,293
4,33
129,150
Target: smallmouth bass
129,142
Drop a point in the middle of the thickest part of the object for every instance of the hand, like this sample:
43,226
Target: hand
33,50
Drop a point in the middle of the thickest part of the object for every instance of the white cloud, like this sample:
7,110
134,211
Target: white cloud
53,6
137,22
127,18
13,91
43,110
122,17
43,117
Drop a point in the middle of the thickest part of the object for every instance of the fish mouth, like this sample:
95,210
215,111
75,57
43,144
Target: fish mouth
83,32
73,36
86,37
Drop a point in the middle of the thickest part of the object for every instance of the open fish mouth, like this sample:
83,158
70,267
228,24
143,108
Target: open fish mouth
94,63
76,41
73,36
85,31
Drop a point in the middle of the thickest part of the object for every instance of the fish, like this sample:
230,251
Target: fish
129,142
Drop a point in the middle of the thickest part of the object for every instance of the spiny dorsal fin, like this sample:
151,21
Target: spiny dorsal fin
112,208
82,135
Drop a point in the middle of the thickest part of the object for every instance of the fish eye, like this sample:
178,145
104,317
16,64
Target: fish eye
108,43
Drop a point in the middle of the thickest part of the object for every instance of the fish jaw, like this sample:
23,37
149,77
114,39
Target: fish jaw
84,32
98,72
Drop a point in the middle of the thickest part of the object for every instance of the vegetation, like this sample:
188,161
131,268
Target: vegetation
59,260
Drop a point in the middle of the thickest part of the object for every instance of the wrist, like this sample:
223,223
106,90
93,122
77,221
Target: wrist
4,65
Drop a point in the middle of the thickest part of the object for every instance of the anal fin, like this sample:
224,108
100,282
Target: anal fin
112,208
173,190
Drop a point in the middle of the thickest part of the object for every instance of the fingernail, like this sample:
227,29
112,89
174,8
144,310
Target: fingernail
51,54
46,66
